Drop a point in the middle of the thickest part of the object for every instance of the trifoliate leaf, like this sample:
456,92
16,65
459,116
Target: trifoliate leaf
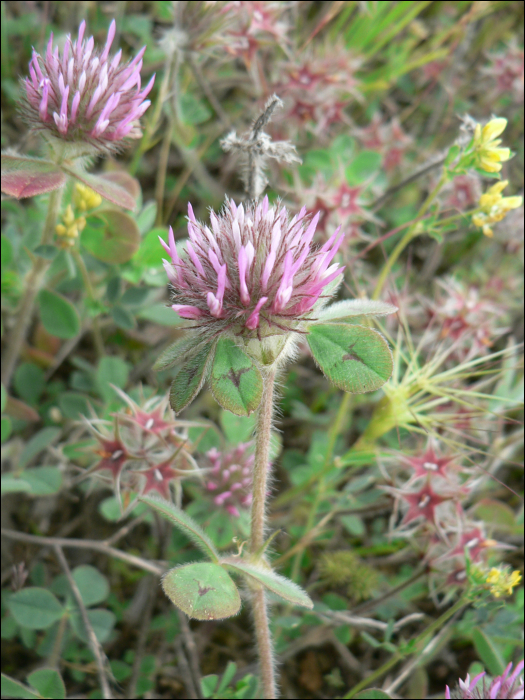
350,308
203,591
236,383
190,378
354,358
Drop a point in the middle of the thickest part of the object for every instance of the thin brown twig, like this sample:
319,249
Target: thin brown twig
191,648
95,545
140,648
100,658
378,203
185,671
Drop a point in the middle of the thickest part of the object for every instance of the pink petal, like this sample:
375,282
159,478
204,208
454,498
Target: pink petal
187,311
109,41
253,319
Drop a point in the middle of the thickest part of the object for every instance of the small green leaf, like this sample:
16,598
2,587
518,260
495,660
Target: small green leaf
274,582
102,621
111,236
487,652
208,684
351,308
93,586
237,428
6,428
111,370
13,484
190,378
35,608
122,317
73,405
354,358
48,682
203,591
12,688
158,313
178,352
227,676
453,153
372,694
363,166
236,383
44,481
146,217
183,521
58,316
6,252
36,444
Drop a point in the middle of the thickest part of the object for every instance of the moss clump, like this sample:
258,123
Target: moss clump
344,568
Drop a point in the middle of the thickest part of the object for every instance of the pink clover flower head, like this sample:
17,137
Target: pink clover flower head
253,271
84,97
230,478
508,685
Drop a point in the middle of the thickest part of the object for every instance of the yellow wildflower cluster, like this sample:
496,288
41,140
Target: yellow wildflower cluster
494,207
486,145
70,228
85,198
502,581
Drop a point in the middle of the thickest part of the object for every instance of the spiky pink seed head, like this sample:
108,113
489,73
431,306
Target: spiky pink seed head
84,97
256,271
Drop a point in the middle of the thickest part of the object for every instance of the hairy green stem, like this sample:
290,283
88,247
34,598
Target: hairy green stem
264,643
33,283
262,458
97,335
415,647
409,236
258,522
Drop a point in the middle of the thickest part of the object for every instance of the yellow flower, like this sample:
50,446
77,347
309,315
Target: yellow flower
486,144
85,198
502,581
494,207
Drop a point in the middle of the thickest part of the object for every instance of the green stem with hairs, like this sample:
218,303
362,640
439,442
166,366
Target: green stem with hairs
258,523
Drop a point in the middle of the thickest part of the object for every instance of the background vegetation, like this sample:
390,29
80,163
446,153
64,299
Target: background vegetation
373,93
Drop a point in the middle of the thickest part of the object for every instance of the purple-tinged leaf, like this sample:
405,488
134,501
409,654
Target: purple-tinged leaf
105,186
27,177
111,236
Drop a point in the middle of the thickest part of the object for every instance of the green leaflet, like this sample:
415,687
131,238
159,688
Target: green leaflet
183,521
236,383
354,358
178,352
190,378
351,308
203,591
274,582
